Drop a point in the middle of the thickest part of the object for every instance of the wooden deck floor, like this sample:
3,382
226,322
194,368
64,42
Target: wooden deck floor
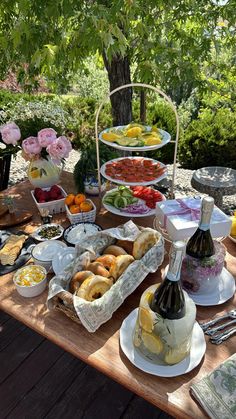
39,380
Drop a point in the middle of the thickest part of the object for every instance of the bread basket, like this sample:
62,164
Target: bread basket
93,314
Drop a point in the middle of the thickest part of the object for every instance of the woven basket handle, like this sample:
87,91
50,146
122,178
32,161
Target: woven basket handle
67,297
158,91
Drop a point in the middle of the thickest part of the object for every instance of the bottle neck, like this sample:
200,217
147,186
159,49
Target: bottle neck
175,263
206,211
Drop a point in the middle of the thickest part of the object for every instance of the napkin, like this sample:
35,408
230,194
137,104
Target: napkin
216,392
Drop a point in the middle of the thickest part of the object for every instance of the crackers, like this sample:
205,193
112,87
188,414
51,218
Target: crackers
11,249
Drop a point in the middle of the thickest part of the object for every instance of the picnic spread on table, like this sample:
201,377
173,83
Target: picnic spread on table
87,271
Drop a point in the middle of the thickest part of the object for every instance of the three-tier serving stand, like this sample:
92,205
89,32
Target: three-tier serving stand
130,149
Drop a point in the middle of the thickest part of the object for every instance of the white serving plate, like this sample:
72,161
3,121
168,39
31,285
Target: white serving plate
117,211
232,238
121,182
36,233
224,290
198,348
166,137
62,259
44,252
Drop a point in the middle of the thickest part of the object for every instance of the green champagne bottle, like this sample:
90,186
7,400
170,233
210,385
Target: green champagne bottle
168,299
201,245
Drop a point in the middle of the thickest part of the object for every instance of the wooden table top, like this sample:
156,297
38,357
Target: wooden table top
101,349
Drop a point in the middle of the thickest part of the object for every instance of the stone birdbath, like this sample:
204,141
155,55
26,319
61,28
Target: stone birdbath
215,181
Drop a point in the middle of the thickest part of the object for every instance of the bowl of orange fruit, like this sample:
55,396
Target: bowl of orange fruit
79,208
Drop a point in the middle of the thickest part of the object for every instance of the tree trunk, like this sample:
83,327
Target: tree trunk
119,74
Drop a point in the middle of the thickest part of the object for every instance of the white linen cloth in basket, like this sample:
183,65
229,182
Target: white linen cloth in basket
93,314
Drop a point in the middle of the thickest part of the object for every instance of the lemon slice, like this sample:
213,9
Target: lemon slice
133,132
153,343
145,319
153,141
173,356
110,136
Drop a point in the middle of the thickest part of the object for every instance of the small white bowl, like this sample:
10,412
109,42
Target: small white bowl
44,252
34,289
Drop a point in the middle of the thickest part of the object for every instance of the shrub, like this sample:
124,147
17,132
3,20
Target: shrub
210,140
35,115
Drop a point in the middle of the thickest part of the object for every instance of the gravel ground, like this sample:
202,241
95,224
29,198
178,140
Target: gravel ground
182,181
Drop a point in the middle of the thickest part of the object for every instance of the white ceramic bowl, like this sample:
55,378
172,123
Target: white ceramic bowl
44,252
27,272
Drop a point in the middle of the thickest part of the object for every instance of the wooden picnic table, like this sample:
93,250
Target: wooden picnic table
101,349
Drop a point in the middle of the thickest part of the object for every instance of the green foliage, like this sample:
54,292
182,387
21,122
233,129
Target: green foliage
91,81
210,140
34,115
87,164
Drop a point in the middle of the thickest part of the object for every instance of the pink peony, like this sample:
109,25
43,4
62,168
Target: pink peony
59,149
31,146
10,133
46,136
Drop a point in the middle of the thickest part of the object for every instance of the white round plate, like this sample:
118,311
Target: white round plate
37,236
62,259
166,137
224,290
117,211
121,182
198,348
232,238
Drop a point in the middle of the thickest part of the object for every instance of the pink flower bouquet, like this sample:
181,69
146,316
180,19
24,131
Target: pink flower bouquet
45,144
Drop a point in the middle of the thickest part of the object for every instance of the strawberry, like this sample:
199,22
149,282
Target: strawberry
55,190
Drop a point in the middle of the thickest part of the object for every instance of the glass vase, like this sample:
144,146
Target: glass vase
43,173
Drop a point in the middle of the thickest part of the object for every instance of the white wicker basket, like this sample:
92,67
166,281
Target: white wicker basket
54,207
82,216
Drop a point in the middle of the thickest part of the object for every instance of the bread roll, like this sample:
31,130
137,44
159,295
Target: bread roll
98,269
121,263
127,245
114,250
94,287
77,280
145,240
106,260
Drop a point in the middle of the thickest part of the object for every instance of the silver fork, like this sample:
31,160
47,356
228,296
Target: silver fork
230,315
217,339
212,331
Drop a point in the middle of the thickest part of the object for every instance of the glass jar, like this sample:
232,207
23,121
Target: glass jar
43,173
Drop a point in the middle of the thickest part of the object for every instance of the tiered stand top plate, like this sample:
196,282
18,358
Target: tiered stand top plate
121,182
165,136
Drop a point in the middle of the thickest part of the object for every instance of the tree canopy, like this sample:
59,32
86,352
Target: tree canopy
169,42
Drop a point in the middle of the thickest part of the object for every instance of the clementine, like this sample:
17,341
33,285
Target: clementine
70,199
74,209
80,197
86,206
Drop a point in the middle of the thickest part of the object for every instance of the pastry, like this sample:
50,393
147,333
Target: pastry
106,260
78,278
11,249
145,240
94,287
98,269
126,244
120,264
114,250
